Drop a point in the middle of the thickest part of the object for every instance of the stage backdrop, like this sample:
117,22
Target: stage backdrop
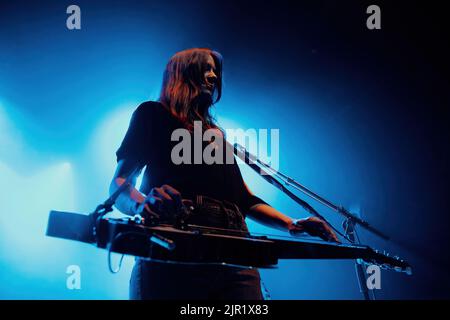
361,114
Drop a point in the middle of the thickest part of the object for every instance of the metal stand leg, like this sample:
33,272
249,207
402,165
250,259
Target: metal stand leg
349,228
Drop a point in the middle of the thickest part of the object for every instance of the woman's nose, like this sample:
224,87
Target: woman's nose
211,78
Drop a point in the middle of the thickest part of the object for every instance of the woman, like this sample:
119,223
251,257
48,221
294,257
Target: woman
192,84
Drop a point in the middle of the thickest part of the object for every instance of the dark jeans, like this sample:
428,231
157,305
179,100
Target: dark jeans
163,281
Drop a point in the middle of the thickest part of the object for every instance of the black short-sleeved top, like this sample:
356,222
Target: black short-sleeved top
148,140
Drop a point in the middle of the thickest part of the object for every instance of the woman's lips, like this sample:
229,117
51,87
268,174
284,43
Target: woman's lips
208,87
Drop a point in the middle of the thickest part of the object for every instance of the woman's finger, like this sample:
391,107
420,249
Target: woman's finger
167,200
150,212
155,203
329,232
175,195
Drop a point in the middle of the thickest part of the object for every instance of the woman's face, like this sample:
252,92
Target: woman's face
209,76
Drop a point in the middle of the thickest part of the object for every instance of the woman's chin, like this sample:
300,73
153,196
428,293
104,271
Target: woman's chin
205,98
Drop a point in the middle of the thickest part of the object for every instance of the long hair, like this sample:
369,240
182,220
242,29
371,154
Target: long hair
181,88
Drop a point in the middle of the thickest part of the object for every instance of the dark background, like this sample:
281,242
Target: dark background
354,104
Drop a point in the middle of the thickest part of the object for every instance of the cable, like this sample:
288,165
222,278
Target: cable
118,266
110,250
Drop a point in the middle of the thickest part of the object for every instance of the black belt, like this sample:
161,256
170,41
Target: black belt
201,200
213,212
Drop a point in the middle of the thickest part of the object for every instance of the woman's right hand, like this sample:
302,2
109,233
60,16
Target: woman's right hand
161,203
314,227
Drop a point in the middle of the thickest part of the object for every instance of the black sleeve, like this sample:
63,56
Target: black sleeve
133,144
250,201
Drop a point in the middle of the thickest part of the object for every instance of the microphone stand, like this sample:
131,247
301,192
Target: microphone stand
349,224
104,208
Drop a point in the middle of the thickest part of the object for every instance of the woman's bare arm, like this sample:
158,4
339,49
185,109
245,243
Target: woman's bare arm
130,198
271,217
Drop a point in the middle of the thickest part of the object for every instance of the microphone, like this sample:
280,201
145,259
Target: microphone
107,206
